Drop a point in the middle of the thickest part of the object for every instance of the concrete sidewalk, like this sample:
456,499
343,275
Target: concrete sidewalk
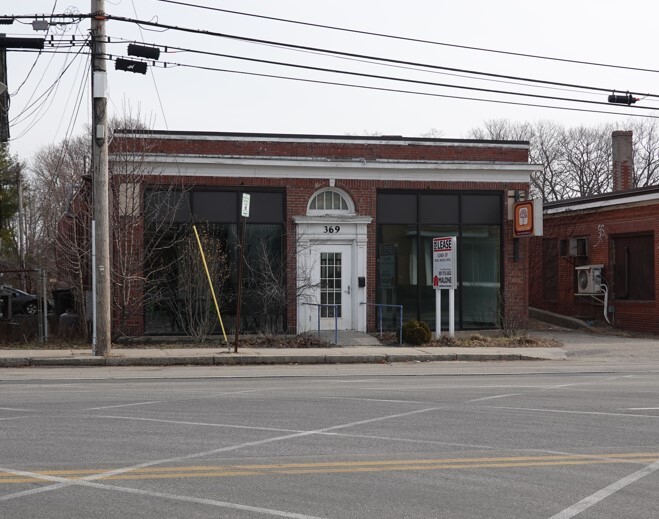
250,356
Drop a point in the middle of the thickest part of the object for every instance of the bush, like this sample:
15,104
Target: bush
416,332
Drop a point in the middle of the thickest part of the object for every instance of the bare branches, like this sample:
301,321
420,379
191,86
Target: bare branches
184,287
576,161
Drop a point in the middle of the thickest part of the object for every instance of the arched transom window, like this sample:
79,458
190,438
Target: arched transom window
330,201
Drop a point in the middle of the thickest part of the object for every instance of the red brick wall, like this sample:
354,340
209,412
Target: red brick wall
599,226
329,150
363,192
364,195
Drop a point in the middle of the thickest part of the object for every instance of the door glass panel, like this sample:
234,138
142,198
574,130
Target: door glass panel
330,284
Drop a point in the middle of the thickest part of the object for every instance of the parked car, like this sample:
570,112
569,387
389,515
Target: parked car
22,302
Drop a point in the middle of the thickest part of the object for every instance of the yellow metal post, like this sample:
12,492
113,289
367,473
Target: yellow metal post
210,283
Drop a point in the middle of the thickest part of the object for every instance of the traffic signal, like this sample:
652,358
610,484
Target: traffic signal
627,99
139,67
143,52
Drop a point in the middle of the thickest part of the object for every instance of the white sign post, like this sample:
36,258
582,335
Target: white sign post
444,261
244,211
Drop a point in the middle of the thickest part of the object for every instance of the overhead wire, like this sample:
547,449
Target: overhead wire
119,40
356,55
415,81
362,58
384,89
377,59
45,94
409,39
72,122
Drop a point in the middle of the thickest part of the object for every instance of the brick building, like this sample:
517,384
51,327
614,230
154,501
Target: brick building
598,258
347,220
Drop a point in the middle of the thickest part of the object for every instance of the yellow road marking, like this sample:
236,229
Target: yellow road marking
345,467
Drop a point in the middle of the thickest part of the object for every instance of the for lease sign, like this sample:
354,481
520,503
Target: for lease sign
444,262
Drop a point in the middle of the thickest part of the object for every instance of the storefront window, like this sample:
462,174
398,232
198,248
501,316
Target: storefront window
407,223
479,268
398,269
177,295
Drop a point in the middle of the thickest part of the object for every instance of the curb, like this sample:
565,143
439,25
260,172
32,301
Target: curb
245,360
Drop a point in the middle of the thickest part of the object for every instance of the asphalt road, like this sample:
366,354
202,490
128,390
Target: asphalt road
505,440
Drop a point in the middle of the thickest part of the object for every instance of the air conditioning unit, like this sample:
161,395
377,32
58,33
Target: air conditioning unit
589,279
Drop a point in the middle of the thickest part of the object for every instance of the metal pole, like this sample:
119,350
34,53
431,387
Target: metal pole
400,328
100,175
39,309
240,281
44,303
319,321
438,313
451,312
21,226
380,319
93,301
336,324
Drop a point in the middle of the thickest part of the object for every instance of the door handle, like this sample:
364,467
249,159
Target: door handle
348,289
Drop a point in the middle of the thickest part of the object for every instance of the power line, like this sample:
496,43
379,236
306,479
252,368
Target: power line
384,89
418,81
366,57
355,55
46,93
119,40
413,40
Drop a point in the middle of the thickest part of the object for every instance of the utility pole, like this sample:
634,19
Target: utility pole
22,242
4,97
100,176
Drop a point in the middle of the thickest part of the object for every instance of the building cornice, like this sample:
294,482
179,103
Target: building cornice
278,167
390,140
610,202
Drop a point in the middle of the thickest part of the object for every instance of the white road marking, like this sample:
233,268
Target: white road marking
374,400
343,435
563,411
13,418
255,443
86,480
492,397
206,424
598,496
122,405
642,408
16,409
63,482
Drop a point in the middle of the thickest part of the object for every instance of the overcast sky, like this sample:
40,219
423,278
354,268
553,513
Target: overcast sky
183,98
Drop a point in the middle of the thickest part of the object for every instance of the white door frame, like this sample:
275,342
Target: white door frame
314,233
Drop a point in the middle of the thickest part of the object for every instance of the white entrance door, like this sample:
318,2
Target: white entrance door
332,276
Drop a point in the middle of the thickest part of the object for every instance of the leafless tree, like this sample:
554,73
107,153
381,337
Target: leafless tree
586,155
575,161
58,219
184,283
646,151
133,215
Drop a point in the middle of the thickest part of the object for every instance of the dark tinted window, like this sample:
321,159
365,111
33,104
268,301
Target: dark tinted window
633,268
439,209
396,208
481,209
550,269
266,208
215,206
168,206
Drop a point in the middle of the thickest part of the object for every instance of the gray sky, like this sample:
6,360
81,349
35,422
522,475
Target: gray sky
179,98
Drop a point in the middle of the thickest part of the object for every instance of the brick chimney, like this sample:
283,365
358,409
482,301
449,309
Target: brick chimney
622,160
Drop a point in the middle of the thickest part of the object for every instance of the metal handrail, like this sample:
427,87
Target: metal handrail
380,306
336,319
